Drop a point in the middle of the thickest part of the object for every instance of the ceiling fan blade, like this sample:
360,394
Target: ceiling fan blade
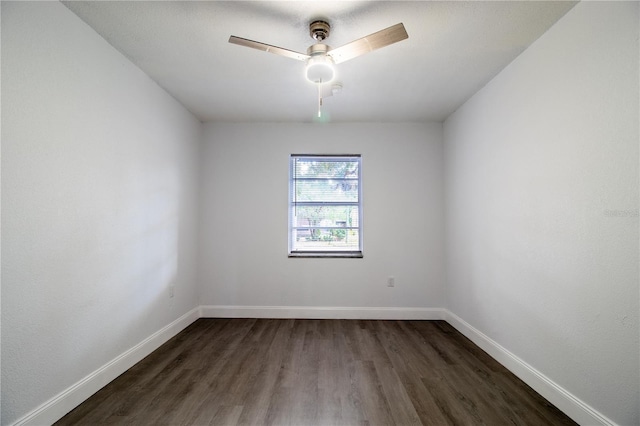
268,48
369,43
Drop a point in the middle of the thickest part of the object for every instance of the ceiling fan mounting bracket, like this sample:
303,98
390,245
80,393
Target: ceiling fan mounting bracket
319,30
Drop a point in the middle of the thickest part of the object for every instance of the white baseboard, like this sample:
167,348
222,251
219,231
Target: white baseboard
70,398
321,312
568,403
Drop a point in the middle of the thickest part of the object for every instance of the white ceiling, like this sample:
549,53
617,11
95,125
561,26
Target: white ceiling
453,49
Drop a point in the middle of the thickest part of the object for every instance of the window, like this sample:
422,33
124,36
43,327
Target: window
325,206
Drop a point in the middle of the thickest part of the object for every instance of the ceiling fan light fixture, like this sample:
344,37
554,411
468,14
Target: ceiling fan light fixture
319,70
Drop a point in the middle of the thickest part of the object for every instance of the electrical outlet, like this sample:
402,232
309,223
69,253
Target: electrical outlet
171,290
391,282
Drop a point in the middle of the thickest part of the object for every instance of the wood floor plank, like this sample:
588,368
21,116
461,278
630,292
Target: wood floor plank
256,400
374,403
317,372
410,363
402,410
227,416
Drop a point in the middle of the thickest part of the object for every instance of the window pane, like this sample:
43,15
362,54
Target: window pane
326,190
325,168
326,239
325,216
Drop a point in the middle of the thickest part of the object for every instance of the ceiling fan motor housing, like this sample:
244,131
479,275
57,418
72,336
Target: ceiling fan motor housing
319,30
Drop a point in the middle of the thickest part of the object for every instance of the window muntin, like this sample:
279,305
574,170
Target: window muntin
325,210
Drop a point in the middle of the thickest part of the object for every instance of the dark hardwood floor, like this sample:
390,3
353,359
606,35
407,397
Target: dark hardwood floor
317,372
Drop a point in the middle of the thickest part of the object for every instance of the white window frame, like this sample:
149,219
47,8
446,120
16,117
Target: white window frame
293,203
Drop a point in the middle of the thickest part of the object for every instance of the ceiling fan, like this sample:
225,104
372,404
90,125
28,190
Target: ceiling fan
320,57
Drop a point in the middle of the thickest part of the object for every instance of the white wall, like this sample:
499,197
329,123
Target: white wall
243,255
541,189
99,207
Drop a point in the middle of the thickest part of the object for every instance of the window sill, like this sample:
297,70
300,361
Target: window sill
334,254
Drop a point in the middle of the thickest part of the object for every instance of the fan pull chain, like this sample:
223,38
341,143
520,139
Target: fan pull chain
320,98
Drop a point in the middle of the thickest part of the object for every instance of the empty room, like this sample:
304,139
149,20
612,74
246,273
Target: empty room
320,213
